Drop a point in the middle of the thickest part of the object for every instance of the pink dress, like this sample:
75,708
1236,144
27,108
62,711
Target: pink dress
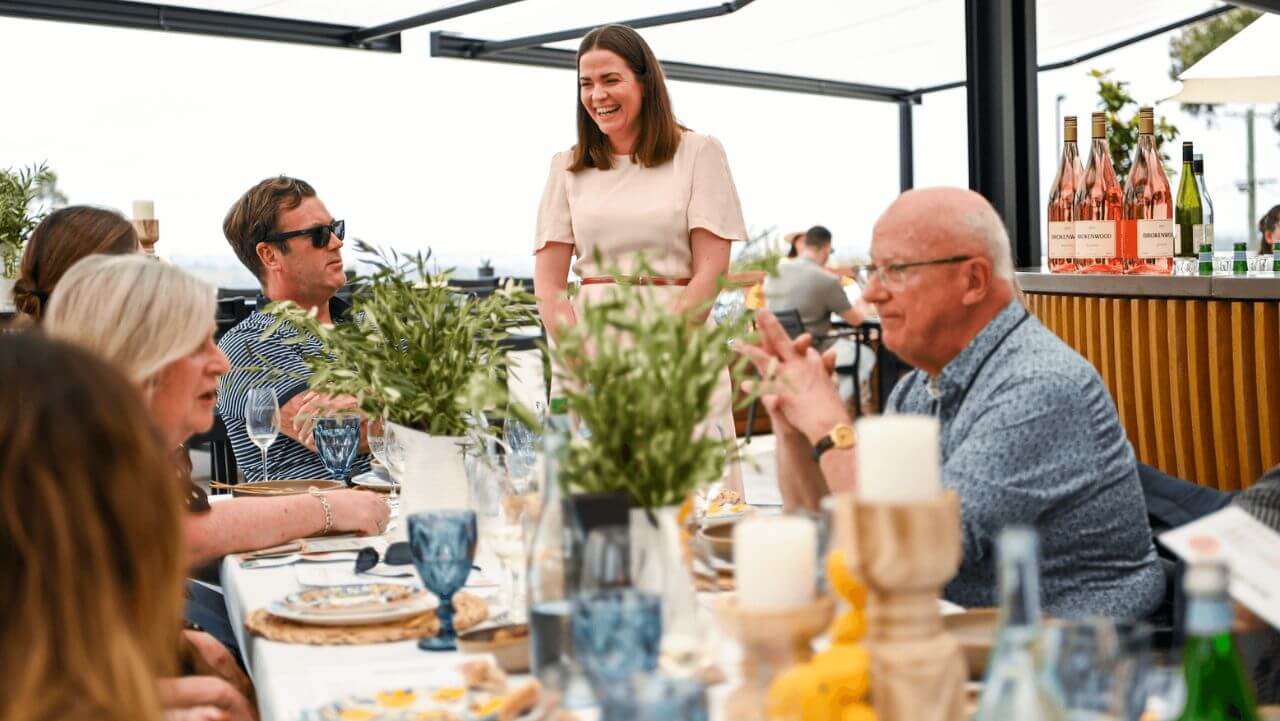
629,211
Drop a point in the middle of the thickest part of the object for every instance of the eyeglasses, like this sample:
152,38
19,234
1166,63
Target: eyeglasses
319,234
397,554
894,275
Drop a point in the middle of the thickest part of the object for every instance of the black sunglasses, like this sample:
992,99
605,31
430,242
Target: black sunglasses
319,234
397,554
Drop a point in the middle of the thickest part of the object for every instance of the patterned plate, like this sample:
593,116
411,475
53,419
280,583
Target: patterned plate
354,604
448,703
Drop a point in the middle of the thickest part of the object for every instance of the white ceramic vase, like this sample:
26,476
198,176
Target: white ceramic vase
6,294
434,476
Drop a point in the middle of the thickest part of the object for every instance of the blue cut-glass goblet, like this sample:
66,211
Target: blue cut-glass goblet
443,544
337,440
616,633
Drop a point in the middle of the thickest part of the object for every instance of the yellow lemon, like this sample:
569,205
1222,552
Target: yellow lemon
845,671
849,627
843,580
859,712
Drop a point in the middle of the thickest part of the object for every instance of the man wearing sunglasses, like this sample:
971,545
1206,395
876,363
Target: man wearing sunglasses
285,236
1029,433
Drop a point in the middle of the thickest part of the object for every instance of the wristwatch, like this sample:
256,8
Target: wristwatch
840,437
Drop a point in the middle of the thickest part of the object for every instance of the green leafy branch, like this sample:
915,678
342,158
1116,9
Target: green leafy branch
1122,132
18,190
641,379
417,351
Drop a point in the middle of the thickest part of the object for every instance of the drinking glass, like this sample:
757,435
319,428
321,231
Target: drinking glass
1100,667
659,697
337,440
443,544
386,447
616,634
262,420
522,451
606,558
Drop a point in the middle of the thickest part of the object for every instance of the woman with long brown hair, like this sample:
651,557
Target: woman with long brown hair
636,186
90,540
60,240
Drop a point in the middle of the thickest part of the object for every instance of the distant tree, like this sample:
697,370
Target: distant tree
49,194
1122,132
1198,40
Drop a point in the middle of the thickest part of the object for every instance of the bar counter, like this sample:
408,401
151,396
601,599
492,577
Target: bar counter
1192,363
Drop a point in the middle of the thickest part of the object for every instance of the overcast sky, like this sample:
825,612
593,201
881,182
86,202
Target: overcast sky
419,152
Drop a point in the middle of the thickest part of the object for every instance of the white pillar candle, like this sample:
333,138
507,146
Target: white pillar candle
898,459
775,562
144,210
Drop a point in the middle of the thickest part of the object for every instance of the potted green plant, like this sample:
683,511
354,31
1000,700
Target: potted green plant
18,191
486,268
421,355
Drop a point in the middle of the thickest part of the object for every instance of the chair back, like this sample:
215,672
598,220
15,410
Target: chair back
790,322
230,312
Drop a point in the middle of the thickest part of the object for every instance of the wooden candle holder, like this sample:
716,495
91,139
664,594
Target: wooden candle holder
906,553
771,642
148,234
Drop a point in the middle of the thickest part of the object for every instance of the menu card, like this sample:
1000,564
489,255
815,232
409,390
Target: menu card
1250,548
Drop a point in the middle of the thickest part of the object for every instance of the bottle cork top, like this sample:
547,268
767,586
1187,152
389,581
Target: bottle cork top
1069,128
1099,125
1146,121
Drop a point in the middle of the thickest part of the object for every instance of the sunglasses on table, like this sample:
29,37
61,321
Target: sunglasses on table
397,554
319,234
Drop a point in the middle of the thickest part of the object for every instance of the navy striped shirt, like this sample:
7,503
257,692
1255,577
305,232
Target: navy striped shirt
258,362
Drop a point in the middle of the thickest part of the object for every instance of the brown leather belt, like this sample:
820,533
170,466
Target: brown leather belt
635,280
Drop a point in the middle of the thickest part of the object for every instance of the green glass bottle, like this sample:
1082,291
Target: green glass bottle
1188,212
1216,686
1239,259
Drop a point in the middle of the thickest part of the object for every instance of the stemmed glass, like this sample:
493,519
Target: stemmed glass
386,447
443,544
262,420
337,440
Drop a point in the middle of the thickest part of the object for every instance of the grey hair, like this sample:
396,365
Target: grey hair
134,311
989,229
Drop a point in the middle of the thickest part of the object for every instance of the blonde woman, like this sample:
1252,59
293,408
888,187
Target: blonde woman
155,323
91,603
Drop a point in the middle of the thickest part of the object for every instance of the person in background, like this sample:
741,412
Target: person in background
1029,434
286,237
1269,229
637,188
91,549
806,286
62,238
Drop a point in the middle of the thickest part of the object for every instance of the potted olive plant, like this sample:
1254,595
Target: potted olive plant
486,268
18,192
422,356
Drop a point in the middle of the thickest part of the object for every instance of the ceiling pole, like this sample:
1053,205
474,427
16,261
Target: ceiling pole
376,32
1000,45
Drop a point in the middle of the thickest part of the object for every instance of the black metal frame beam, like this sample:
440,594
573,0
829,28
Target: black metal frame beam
377,32
445,45
1000,49
490,46
150,16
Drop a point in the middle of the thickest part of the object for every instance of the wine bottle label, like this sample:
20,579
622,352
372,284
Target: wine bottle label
1207,617
1207,234
1239,256
1155,238
1095,238
1062,239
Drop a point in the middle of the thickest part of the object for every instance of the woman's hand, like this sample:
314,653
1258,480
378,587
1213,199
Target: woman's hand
218,661
204,697
363,512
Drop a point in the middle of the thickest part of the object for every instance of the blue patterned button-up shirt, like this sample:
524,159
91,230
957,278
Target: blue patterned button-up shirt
1030,436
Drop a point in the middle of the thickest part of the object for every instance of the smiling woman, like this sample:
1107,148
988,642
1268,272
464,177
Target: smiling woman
639,196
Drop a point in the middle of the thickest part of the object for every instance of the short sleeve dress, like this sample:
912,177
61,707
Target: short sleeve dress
615,217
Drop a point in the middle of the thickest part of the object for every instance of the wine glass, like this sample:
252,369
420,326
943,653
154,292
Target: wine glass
337,440
443,544
386,447
262,420
606,558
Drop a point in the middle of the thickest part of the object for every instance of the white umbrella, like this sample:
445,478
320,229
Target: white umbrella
1244,69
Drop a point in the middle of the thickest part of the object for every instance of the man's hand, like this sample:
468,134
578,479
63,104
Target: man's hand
299,414
798,386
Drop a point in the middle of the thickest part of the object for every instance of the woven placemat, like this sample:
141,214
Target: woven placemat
469,611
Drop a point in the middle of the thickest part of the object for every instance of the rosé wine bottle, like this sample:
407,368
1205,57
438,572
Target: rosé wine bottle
1146,228
1062,203
1098,205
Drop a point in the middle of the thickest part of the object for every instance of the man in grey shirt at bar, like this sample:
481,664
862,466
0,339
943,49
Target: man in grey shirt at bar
1029,434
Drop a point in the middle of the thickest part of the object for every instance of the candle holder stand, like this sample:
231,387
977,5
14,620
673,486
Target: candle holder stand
148,234
906,553
771,642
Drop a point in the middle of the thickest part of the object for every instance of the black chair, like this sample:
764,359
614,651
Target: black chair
222,459
231,310
791,323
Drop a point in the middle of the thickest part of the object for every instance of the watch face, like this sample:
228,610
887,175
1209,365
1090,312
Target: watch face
843,436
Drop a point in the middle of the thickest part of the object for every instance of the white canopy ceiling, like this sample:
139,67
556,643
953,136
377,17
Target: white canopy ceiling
898,43
1245,69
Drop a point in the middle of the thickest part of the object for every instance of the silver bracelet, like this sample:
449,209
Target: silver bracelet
328,512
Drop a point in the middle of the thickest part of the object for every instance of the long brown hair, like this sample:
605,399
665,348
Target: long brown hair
91,551
659,130
62,238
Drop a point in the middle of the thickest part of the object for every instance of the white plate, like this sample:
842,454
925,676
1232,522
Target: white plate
373,481
394,613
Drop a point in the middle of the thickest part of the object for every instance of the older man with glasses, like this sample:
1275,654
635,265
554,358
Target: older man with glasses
1029,433
286,237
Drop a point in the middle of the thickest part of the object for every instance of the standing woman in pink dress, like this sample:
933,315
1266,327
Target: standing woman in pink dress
636,185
